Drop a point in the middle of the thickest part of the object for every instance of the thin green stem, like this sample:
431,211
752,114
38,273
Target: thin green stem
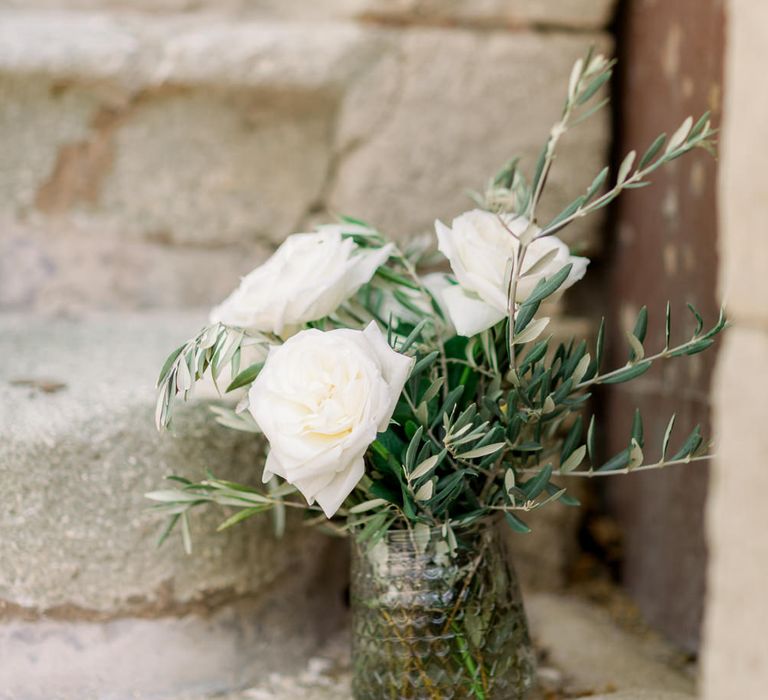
626,470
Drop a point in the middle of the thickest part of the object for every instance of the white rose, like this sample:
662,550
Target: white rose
479,249
320,400
307,277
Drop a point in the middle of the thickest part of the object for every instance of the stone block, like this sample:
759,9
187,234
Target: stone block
464,103
743,186
584,653
81,580
735,643
572,14
596,656
180,144
71,269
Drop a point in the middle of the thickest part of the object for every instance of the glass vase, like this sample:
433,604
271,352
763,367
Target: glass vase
438,615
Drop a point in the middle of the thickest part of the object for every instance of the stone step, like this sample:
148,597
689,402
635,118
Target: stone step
570,14
585,653
151,159
89,607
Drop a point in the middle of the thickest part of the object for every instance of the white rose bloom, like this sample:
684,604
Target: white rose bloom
479,249
320,400
307,277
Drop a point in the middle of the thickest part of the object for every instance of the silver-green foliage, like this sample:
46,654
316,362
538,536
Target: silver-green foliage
485,425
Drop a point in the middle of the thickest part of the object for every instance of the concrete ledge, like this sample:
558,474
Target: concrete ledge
583,654
145,52
571,14
88,604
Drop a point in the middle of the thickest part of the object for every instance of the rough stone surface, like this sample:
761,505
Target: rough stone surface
576,14
182,145
76,268
586,655
595,655
132,658
75,529
736,646
735,642
464,104
143,53
743,188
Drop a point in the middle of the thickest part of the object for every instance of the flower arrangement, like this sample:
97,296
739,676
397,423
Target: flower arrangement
394,401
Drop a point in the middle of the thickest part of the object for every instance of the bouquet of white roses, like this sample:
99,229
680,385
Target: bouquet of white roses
390,398
414,409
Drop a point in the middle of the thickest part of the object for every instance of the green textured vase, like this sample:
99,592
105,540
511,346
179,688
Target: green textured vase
438,616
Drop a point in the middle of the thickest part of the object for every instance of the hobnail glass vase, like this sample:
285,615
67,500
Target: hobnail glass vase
438,616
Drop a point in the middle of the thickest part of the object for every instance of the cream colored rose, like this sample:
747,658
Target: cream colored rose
308,277
320,400
479,248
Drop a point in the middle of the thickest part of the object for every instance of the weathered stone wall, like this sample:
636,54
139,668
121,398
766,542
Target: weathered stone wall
150,160
153,152
736,646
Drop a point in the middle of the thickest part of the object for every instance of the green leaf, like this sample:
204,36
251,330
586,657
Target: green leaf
667,436
433,390
239,516
591,439
515,523
597,183
593,87
628,373
424,363
449,404
413,335
626,167
368,505
425,491
641,325
382,491
169,363
245,377
574,460
569,211
618,461
483,451
637,427
172,496
186,537
690,445
699,319
547,287
679,137
572,439
168,528
652,151
533,487
393,277
426,466
536,353
410,453
525,315
692,349
600,344
533,331
541,263
699,126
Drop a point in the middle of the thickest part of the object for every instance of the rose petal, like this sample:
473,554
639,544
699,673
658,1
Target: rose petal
335,493
469,314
